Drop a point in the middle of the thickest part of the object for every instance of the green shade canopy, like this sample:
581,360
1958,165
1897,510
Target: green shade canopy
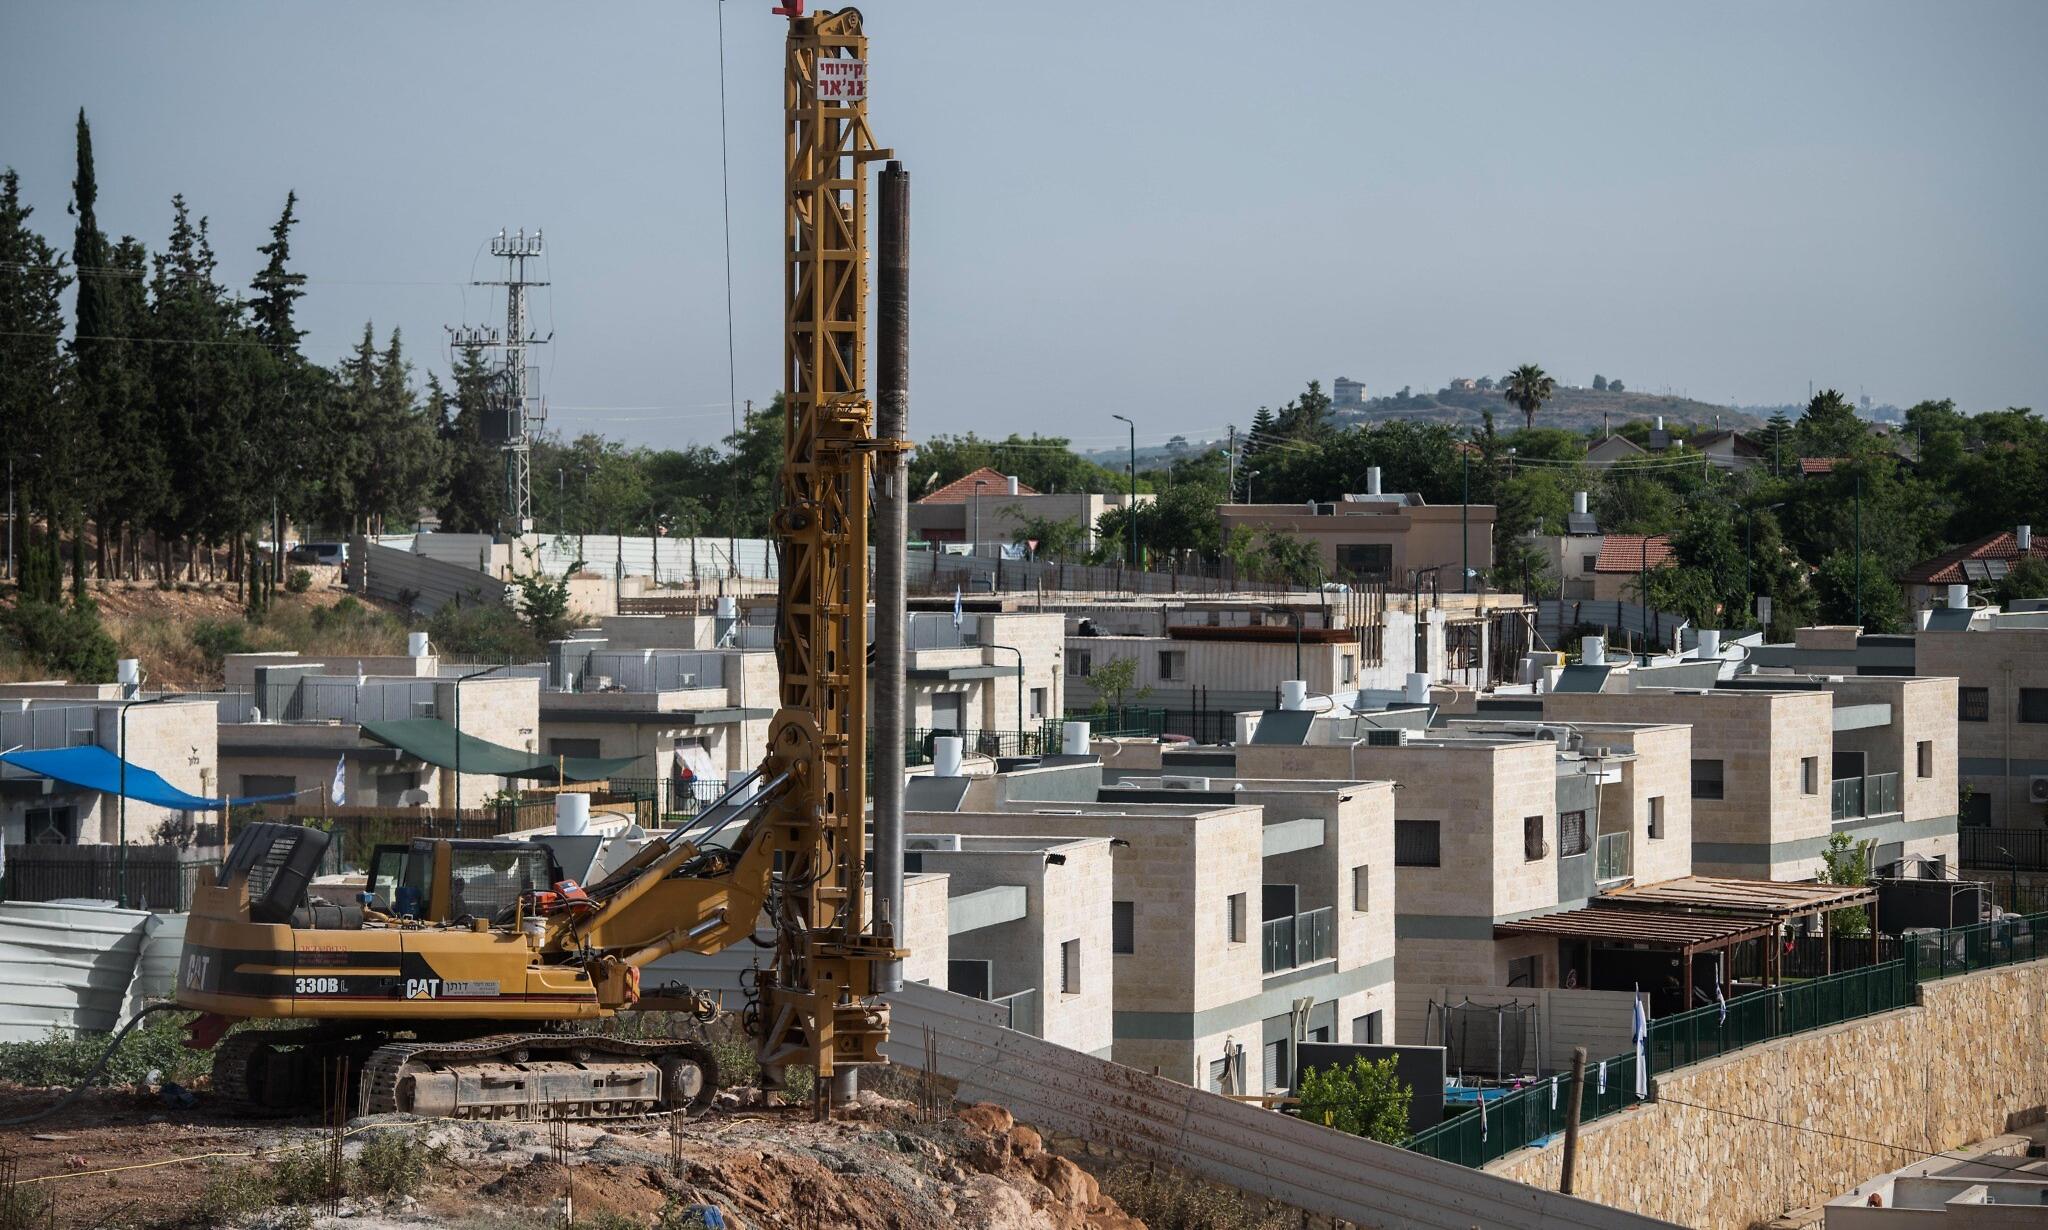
435,741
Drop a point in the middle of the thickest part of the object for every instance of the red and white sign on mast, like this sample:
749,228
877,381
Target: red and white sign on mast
842,80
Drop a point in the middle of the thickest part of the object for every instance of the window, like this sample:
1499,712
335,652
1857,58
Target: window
1123,926
1571,833
50,826
2034,704
1418,843
1973,704
1533,845
574,747
1347,669
1924,757
1173,664
1081,663
1657,817
1070,968
1589,563
1038,703
1276,1065
256,785
1809,775
1365,1030
1365,559
1361,888
1525,972
1706,779
1234,918
1976,812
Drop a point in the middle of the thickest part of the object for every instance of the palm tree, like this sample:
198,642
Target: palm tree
1526,389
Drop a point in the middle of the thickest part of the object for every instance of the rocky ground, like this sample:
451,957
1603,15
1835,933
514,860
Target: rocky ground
121,1161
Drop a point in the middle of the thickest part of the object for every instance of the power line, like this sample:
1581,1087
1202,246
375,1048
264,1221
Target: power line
1860,1140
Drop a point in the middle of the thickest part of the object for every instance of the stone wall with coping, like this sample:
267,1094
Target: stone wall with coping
1792,1123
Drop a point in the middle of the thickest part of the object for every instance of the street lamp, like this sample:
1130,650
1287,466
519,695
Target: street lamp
457,689
1132,509
121,794
1249,475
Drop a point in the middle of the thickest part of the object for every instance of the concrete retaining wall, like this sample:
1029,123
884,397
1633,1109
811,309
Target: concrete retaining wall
1795,1122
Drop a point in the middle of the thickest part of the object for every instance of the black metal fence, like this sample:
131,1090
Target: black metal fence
157,877
1993,849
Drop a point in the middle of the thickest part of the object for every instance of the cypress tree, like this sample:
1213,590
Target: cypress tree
32,374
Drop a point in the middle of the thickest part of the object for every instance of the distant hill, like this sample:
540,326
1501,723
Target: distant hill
1572,409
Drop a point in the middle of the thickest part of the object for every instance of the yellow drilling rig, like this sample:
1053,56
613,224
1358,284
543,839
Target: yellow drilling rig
448,987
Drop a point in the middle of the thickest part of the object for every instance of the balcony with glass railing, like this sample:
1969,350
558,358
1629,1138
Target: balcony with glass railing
1023,1008
1298,939
1613,858
1873,794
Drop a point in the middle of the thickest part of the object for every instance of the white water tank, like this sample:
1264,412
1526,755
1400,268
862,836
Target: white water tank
946,756
572,814
1710,643
2024,538
1372,480
416,644
1959,596
128,673
1416,689
1011,483
1593,651
1293,694
727,607
1579,502
1074,739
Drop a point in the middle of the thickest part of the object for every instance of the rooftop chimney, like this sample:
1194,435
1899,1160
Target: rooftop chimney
1579,502
1372,480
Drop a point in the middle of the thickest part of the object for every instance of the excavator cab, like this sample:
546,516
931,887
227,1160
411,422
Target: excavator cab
442,880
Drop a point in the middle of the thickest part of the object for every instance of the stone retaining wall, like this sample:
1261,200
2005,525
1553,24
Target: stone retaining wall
1740,1140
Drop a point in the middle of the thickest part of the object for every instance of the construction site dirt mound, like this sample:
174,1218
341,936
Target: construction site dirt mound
119,1160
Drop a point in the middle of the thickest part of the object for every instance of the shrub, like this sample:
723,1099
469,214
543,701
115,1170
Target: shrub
232,1192
65,1059
66,640
298,581
306,1176
217,638
483,633
1365,1099
394,1164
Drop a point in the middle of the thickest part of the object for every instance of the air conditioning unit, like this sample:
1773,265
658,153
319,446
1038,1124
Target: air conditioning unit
423,708
2037,788
930,842
1183,783
1396,737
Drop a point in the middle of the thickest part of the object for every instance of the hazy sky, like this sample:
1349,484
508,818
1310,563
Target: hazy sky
1177,211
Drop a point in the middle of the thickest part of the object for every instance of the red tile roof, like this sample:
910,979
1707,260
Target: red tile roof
961,489
1947,568
1627,553
1819,465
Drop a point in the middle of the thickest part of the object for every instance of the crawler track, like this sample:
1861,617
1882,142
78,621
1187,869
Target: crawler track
533,1062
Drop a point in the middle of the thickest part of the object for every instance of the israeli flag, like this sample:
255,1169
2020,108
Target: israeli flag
1553,1093
1482,1114
956,608
1641,1033
1603,1078
338,792
1723,1001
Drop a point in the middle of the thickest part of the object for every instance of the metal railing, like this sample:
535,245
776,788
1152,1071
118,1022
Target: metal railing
1873,794
1043,740
1993,849
1613,857
1297,940
664,796
1528,1115
1023,1011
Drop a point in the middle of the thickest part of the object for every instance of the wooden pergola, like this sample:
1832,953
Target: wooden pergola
1771,902
1685,934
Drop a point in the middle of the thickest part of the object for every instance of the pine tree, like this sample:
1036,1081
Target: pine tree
1777,434
473,496
96,358
32,361
401,459
283,386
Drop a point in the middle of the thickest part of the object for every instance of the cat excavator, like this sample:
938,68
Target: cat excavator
454,984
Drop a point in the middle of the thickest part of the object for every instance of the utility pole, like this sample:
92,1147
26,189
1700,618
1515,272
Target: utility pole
520,408
1231,454
1464,523
1571,1119
1859,555
1131,509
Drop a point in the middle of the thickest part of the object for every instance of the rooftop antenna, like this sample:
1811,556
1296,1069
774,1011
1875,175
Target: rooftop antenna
519,408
